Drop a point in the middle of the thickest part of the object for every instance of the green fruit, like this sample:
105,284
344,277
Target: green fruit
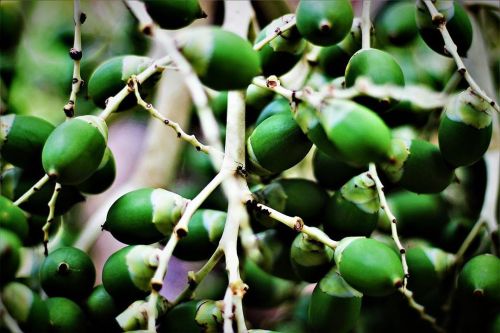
330,172
101,308
310,259
335,305
353,211
10,247
26,307
11,24
369,266
457,23
74,150
219,106
455,232
206,48
66,316
144,216
479,279
102,178
193,317
256,98
133,318
466,129
23,138
112,75
277,106
396,24
324,22
205,230
174,14
356,132
13,218
380,68
127,273
65,268
275,145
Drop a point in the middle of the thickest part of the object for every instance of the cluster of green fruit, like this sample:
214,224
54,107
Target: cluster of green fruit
343,201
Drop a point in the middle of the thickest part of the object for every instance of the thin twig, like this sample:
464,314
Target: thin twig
35,188
277,32
394,231
50,218
366,25
421,310
468,241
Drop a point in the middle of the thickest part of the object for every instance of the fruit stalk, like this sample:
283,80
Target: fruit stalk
450,46
278,31
366,25
421,310
38,185
50,218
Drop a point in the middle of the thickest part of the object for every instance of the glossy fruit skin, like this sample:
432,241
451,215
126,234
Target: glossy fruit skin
205,230
206,48
311,260
13,218
112,75
101,308
174,14
65,268
479,279
465,130
193,317
371,267
277,106
330,172
26,307
324,22
457,24
335,306
357,133
396,24
102,178
74,150
144,216
65,316
275,145
10,245
23,138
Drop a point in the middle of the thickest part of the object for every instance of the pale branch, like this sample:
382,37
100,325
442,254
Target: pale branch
366,25
468,241
277,32
421,310
151,309
181,134
393,221
35,188
488,211
451,48
76,54
50,217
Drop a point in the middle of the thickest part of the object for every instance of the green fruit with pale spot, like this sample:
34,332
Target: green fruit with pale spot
206,48
330,172
10,247
144,216
324,22
74,150
13,218
311,260
102,178
22,139
66,316
480,279
174,14
193,317
369,266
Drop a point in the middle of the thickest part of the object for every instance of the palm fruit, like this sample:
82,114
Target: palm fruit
26,307
480,279
193,317
417,166
369,266
310,259
357,133
74,150
144,216
396,24
205,230
206,49
275,145
102,178
335,305
330,172
428,267
213,286
11,24
277,106
281,54
100,308
465,130
22,139
133,318
353,211
256,98
380,68
264,290
65,268
455,232
174,14
66,316
13,218
457,23
334,59
112,75
127,273
10,247
324,22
